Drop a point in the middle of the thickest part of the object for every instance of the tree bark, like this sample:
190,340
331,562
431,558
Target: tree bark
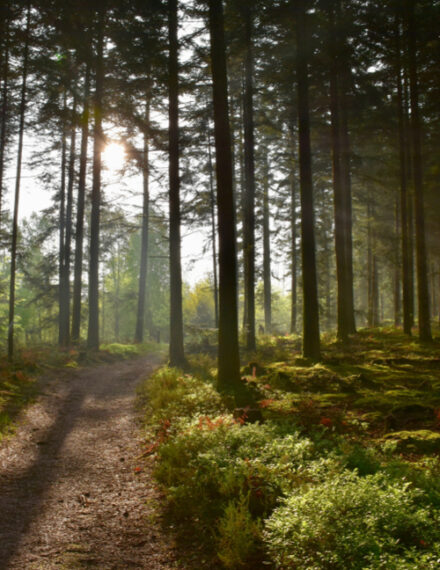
311,340
62,341
404,238
267,285
140,315
213,231
228,353
79,232
177,356
421,256
65,287
249,189
22,112
98,143
4,110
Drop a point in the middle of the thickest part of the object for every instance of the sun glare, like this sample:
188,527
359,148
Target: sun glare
113,156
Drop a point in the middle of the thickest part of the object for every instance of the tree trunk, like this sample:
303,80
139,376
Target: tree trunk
341,180
311,340
79,233
98,143
373,286
177,357
266,250
421,256
228,354
293,232
4,111
406,279
410,196
22,111
62,227
396,277
249,189
140,315
213,231
65,288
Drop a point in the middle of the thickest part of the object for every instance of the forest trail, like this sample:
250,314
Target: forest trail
70,495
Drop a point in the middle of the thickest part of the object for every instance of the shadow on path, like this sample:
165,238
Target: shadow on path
22,497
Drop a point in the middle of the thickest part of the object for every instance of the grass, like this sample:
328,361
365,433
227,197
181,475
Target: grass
367,417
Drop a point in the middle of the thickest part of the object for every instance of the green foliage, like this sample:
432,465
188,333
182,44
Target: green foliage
174,396
238,534
317,484
349,522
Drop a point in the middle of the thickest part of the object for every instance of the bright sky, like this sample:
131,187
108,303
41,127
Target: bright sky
34,198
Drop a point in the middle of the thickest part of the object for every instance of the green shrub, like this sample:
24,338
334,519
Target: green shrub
172,396
215,461
349,522
238,534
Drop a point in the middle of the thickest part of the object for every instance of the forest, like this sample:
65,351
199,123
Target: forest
245,194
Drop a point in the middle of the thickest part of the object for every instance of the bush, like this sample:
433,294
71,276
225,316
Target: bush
238,534
174,396
349,522
208,467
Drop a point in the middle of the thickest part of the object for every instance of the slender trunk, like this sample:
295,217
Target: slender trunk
22,112
140,316
117,278
396,278
65,289
406,287
421,255
213,230
249,190
328,308
338,198
410,194
62,227
4,113
311,341
177,357
341,178
228,354
293,232
98,143
373,285
266,250
348,209
79,233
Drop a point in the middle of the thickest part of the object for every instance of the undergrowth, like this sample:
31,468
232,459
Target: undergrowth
328,478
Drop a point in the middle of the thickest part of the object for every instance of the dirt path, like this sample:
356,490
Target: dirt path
70,496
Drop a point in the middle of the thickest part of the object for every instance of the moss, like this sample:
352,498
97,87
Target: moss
417,441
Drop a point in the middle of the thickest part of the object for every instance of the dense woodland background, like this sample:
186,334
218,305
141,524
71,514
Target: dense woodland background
333,110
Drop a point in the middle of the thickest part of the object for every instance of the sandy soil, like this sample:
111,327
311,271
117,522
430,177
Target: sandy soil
71,494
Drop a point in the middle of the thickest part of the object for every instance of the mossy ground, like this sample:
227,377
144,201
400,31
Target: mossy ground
370,408
380,383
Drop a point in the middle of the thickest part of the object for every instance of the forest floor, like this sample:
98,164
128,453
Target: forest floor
71,494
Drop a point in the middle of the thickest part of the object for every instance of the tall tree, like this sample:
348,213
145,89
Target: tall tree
311,340
22,112
140,316
98,143
341,175
421,257
267,282
249,179
80,203
402,134
228,354
177,356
